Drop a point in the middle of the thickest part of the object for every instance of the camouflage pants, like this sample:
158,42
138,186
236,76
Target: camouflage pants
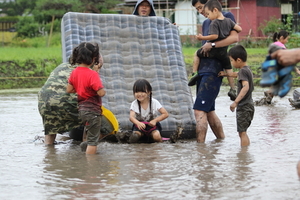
57,107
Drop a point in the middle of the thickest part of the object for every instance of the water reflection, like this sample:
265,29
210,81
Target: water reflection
73,174
218,169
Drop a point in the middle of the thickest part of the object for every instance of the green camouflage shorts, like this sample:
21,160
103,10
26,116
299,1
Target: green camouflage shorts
244,117
57,107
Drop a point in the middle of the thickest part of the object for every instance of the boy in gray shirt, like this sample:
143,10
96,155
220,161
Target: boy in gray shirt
243,103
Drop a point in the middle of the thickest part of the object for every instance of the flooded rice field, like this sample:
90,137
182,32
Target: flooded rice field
218,169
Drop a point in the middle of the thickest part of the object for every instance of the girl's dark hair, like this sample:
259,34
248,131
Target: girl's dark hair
142,85
238,51
277,35
86,53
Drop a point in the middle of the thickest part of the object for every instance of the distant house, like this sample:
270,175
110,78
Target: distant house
249,14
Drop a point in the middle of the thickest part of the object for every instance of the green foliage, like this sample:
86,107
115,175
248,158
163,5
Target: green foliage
28,74
45,9
98,6
27,27
269,27
106,5
9,19
294,41
17,8
288,26
256,42
56,26
27,67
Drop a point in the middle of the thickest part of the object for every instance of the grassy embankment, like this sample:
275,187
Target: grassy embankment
29,67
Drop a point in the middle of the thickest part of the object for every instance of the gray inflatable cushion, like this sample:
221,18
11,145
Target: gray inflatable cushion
135,47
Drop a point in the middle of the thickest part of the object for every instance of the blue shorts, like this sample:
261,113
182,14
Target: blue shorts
208,88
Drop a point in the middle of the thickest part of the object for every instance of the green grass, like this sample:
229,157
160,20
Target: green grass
26,53
189,51
42,60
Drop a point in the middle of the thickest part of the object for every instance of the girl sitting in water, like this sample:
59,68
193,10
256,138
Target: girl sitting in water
143,113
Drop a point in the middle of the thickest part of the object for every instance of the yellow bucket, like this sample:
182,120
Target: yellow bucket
111,118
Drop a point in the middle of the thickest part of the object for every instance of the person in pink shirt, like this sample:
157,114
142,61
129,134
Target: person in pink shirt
280,39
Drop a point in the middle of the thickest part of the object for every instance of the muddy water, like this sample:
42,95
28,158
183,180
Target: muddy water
185,170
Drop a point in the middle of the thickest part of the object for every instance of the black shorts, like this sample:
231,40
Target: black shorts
148,130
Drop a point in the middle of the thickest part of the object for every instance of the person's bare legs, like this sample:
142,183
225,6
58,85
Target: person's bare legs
49,139
244,139
156,136
201,125
215,125
196,62
298,168
84,135
134,137
91,149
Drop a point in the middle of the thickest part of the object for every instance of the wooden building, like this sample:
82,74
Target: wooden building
249,14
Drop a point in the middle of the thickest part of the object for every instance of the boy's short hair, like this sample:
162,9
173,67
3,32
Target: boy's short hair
238,51
212,4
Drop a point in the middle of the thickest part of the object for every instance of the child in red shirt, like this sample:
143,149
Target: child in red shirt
87,84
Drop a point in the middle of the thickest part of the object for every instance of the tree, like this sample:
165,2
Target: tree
99,6
54,9
50,12
17,7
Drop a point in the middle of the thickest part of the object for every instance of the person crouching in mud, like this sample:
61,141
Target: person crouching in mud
143,114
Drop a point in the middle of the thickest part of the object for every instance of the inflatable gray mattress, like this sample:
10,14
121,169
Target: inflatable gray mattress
135,47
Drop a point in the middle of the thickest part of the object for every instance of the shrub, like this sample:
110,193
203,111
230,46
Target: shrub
27,27
269,27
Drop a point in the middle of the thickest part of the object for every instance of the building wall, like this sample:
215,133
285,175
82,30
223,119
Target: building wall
186,18
266,14
245,13
250,16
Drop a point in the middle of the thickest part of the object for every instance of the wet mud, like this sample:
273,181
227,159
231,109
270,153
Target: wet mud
217,169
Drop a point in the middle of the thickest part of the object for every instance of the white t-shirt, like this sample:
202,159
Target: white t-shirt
145,114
